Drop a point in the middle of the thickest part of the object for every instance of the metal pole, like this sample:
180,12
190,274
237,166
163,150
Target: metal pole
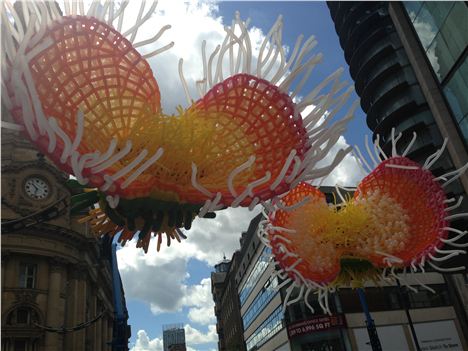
373,336
404,298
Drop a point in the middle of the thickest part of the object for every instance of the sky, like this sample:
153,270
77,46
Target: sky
173,285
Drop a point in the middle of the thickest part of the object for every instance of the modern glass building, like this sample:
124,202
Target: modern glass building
442,30
405,78
409,64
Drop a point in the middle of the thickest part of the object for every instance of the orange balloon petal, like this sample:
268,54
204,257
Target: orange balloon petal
319,257
420,197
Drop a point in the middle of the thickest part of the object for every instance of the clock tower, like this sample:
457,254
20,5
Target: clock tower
56,279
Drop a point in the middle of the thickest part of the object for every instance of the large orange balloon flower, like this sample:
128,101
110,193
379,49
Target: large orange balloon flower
88,100
397,219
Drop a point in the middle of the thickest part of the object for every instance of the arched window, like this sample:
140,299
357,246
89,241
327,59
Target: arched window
19,332
22,316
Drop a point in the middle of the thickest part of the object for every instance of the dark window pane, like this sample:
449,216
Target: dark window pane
455,29
5,344
440,57
378,299
439,11
27,278
413,7
20,345
425,26
426,299
456,94
297,312
464,128
22,316
260,266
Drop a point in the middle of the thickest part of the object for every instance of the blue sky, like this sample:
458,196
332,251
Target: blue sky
172,286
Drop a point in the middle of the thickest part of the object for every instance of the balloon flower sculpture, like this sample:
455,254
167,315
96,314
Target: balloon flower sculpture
82,93
398,219
87,98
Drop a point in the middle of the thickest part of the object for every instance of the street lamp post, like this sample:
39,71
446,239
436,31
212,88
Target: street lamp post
372,331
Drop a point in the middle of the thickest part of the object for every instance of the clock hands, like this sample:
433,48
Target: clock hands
38,188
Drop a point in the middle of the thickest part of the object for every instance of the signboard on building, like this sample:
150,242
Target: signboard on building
440,335
432,336
316,324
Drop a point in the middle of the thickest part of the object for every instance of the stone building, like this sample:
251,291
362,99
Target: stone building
56,283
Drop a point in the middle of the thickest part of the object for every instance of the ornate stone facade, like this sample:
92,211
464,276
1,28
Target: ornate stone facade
56,286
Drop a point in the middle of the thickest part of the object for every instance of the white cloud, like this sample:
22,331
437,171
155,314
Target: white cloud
144,343
191,24
199,296
195,337
348,172
207,241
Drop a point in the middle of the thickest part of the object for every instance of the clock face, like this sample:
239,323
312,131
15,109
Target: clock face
36,188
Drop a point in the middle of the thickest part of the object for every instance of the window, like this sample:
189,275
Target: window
425,298
441,28
260,267
267,293
19,344
272,325
440,57
27,278
455,93
22,315
455,28
378,299
389,298
299,310
413,8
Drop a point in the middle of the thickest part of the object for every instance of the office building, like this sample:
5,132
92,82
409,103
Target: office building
224,291
409,64
218,278
266,327
174,337
411,75
224,287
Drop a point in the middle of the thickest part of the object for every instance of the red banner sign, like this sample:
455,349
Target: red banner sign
316,324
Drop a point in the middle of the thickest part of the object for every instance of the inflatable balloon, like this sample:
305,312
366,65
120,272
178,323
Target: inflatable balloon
83,93
397,219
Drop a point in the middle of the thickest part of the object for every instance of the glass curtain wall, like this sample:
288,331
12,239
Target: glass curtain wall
442,29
